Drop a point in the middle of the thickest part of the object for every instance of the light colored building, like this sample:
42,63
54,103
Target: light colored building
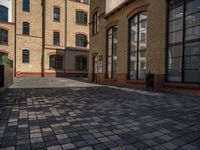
146,36
50,38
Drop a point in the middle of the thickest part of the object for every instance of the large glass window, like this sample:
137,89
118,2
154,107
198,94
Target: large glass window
56,14
25,56
111,62
81,18
26,5
95,28
81,63
3,13
137,46
26,28
3,36
183,59
81,40
56,62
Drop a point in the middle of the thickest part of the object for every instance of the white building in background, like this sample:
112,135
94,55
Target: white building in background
111,4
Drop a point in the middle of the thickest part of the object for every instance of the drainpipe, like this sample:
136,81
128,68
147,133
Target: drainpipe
43,39
65,36
15,46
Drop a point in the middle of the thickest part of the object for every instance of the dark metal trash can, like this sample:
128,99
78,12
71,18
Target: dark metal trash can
1,76
149,81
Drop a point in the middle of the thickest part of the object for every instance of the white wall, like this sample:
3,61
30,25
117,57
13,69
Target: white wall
8,4
111,4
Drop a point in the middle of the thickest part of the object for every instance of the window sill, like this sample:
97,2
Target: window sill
182,85
57,21
3,44
60,70
85,25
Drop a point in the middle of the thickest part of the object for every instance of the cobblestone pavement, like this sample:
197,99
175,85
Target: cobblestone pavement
70,114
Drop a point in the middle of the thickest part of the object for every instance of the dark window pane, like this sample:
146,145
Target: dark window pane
26,28
56,38
137,46
112,53
192,6
81,63
26,5
81,17
25,56
56,15
3,36
81,40
56,62
174,69
3,13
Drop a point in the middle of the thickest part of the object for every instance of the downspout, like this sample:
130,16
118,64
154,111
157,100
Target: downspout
65,37
15,46
43,39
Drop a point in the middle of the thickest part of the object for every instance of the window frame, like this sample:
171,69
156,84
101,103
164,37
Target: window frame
182,43
5,34
5,14
95,23
81,59
56,64
138,50
56,13
26,25
81,17
24,3
56,38
85,40
24,59
112,52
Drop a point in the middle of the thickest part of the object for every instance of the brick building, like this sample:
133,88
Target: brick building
161,37
45,37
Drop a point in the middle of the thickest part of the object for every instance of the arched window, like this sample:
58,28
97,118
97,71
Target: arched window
81,63
111,57
56,62
26,5
25,56
81,17
3,13
183,52
3,36
137,46
81,40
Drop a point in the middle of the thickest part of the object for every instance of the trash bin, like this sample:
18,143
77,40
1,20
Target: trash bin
149,81
1,76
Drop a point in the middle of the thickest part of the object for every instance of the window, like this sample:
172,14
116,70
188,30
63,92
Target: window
26,28
26,5
56,38
183,54
56,62
81,40
111,57
3,13
3,36
25,56
56,14
81,17
137,46
86,1
81,63
95,19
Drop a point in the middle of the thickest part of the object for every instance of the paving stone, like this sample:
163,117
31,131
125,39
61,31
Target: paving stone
75,114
